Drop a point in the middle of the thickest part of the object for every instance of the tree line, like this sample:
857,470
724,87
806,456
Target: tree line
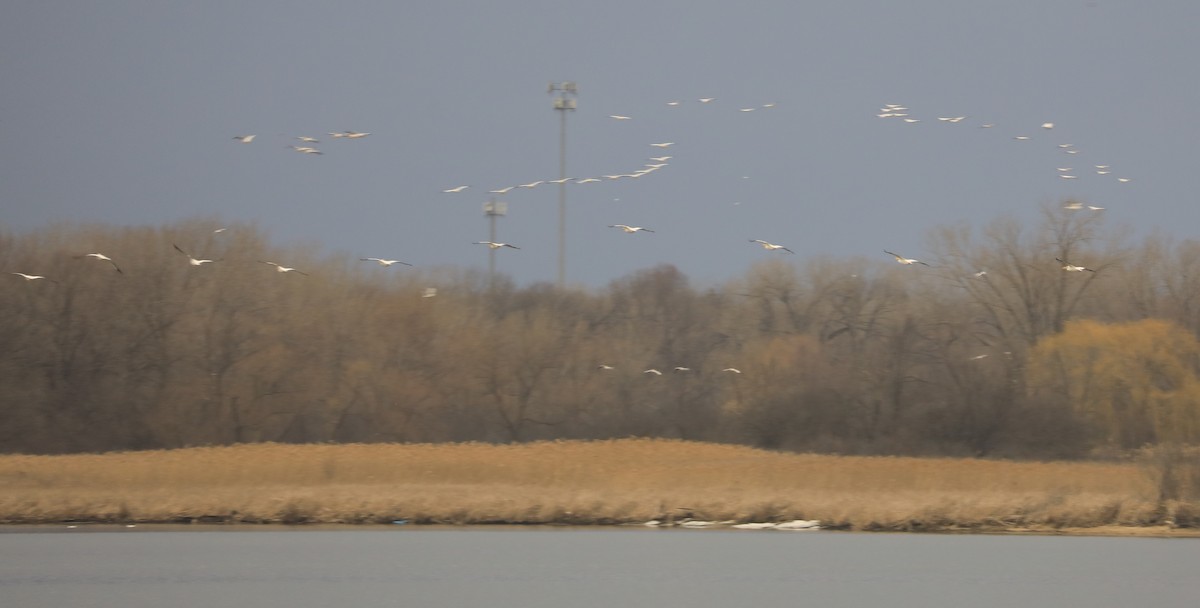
993,350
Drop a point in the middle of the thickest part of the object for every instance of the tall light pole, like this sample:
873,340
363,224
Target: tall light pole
563,101
493,210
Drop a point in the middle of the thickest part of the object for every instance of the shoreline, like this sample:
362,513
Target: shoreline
241,526
597,484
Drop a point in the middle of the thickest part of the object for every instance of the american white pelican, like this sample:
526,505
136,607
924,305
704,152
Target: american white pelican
673,103
1047,125
799,524
1063,169
986,126
604,366
1095,208
769,105
620,117
561,180
912,120
219,230
494,245
903,260
754,526
309,140
661,159
306,149
502,190
630,229
951,118
194,261
771,246
680,368
383,262
32,277
1022,138
455,189
101,256
1073,206
429,292
706,99
587,180
244,138
745,109
981,274
532,184
732,369
665,144
652,371
1065,176
282,268
1124,180
354,135
978,357
1073,268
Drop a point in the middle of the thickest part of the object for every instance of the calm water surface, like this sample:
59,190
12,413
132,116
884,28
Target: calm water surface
557,568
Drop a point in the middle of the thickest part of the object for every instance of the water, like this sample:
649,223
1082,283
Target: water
557,568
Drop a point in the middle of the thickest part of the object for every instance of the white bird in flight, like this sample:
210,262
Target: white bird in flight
282,268
732,369
680,368
502,190
350,134
1073,268
495,245
455,189
532,184
32,277
244,138
661,159
587,180
620,117
306,149
951,118
383,262
771,246
194,261
652,371
903,260
706,99
101,256
309,140
630,229
665,144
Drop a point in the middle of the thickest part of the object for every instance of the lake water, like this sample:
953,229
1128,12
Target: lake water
101,566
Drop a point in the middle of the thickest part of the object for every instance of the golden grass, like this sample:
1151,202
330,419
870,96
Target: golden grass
575,482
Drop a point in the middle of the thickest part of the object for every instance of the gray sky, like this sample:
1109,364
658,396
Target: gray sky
124,112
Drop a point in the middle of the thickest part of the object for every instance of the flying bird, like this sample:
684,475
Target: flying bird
282,268
665,144
771,246
732,369
383,262
350,134
1073,268
194,261
101,256
630,229
244,138
661,159
502,190
309,140
32,277
951,118
1047,125
306,149
603,366
903,260
680,368
587,180
653,371
495,245
620,117
706,99
455,189
1073,206
532,184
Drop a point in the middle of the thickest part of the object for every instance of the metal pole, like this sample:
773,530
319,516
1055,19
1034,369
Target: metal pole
562,200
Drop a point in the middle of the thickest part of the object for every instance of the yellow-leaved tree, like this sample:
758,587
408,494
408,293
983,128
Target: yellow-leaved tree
1137,383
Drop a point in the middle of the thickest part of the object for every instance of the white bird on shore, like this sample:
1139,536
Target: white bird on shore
383,262
495,245
282,268
771,246
244,138
455,189
630,229
194,261
101,256
1073,268
903,260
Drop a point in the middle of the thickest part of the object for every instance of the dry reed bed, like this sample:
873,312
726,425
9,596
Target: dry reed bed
602,482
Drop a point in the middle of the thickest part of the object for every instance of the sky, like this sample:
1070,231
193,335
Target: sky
124,113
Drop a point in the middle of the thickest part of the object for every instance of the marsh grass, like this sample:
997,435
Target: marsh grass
570,482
